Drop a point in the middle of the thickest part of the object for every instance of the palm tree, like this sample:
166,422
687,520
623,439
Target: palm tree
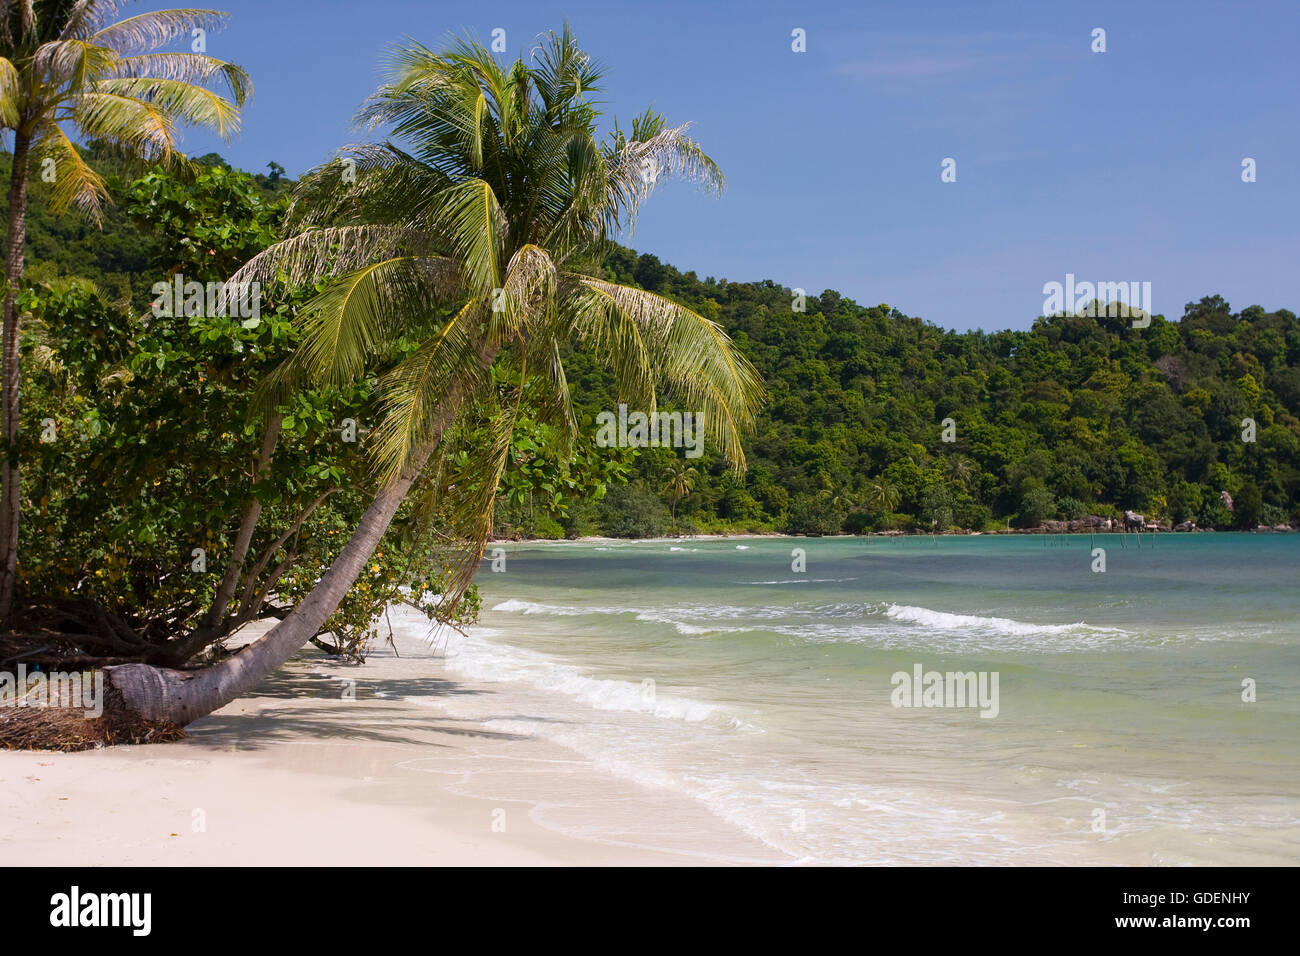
883,496
458,268
681,482
68,65
957,469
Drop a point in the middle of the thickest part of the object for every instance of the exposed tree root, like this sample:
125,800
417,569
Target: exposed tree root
68,728
78,633
69,632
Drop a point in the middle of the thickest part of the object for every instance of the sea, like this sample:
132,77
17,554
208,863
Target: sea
994,699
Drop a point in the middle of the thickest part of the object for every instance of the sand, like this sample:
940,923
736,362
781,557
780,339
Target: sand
299,775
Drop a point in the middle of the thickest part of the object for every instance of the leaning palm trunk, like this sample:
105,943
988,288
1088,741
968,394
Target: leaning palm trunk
168,697
464,251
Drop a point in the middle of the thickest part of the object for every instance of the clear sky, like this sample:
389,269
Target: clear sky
1114,166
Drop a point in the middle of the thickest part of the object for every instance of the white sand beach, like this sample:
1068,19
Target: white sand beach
296,775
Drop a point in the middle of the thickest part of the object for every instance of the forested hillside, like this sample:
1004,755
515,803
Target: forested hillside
1076,416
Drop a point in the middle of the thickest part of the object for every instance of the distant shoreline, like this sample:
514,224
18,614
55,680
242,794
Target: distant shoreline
746,535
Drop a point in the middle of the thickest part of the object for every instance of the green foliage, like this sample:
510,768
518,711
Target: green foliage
140,446
633,511
1248,506
207,228
540,485
112,255
1075,413
813,515
1036,505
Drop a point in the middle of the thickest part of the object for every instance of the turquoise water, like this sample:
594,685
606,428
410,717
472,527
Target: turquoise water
711,668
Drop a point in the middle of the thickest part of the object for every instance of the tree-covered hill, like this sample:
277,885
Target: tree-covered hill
1076,416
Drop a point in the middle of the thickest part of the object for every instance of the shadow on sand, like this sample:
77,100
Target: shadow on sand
380,713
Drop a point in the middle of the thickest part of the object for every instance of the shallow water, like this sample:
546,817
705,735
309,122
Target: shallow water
713,669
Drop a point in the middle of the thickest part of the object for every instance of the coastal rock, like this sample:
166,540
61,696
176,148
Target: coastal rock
1084,524
1091,523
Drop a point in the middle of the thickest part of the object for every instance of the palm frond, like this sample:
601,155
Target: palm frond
75,182
419,396
639,165
548,395
10,91
178,100
579,218
463,496
368,184
140,34
527,295
70,65
695,358
86,15
564,72
327,252
187,68
454,102
475,228
353,321
138,125
601,328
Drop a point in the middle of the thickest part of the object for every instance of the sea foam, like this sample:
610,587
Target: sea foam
490,661
943,619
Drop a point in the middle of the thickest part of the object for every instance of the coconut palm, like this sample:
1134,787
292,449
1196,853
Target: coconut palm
681,482
460,266
883,496
957,469
71,66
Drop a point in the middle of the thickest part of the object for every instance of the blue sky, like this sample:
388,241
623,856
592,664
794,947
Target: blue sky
1115,166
